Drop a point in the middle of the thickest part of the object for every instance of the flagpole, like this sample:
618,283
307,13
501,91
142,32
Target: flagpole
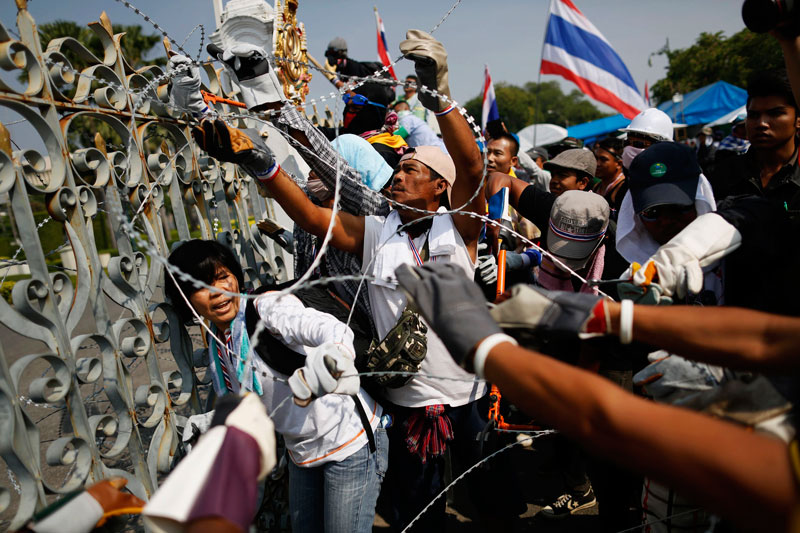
539,77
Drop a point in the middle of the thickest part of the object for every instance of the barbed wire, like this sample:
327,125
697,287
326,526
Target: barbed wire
472,468
304,281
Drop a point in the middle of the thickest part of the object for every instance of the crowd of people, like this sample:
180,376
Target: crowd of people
638,297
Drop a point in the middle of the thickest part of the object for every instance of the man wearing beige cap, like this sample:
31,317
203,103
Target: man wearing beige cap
430,415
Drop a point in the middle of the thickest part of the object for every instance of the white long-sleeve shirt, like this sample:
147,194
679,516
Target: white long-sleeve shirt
329,429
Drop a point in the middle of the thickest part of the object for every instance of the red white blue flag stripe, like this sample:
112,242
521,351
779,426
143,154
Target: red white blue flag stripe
489,111
383,48
576,50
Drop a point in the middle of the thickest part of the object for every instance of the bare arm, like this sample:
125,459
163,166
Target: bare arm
461,145
348,230
791,55
498,180
727,336
721,465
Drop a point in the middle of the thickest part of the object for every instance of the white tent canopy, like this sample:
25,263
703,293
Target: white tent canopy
728,118
545,134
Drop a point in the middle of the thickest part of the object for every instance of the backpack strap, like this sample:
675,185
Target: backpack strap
285,360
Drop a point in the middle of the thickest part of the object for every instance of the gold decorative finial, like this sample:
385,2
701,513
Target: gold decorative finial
100,143
5,140
106,23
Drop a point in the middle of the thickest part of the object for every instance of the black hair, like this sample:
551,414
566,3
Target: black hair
511,140
771,83
413,77
201,260
611,145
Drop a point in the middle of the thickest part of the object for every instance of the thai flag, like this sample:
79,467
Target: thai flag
576,50
383,48
489,111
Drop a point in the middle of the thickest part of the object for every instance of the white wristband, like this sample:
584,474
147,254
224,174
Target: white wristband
483,349
626,322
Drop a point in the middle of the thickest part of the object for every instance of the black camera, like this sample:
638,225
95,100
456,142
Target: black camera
761,16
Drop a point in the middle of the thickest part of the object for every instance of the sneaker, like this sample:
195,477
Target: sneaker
568,504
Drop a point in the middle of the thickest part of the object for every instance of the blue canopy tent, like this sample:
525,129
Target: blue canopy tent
705,104
595,129
698,107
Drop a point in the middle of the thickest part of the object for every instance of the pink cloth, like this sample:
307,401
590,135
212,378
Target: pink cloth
552,278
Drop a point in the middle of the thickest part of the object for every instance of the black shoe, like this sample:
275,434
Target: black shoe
568,504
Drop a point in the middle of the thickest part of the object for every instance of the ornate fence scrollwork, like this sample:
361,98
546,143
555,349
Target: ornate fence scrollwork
116,372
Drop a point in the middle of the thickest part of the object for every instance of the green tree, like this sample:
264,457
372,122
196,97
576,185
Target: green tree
520,106
715,57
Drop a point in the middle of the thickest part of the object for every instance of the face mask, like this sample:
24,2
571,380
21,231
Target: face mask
404,113
629,153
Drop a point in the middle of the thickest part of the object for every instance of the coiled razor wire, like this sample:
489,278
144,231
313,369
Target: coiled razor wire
353,82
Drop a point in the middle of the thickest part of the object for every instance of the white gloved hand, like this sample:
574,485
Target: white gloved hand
679,263
184,93
486,265
329,368
250,68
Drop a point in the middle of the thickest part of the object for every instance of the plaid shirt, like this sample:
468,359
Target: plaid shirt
354,198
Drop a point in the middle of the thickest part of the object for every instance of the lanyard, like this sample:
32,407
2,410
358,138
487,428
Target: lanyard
419,259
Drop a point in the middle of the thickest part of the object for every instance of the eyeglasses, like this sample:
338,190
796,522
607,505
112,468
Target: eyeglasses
659,211
359,99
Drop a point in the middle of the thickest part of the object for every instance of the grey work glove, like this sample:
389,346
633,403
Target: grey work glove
486,265
430,65
670,377
558,312
184,86
242,147
451,304
250,68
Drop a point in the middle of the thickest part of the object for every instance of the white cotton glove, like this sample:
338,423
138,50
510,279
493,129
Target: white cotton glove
184,93
251,69
195,426
486,265
679,264
329,368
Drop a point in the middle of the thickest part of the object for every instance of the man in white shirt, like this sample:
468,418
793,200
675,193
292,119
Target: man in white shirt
430,414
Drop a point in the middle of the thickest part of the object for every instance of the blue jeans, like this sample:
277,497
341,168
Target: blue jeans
339,497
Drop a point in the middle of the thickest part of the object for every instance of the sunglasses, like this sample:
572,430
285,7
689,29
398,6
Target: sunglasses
359,99
654,213
636,143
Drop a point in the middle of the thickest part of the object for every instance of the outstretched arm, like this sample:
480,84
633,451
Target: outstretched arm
791,55
497,180
728,336
317,151
430,65
348,230
247,149
719,464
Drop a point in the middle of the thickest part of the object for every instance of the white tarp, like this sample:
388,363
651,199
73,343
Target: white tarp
545,134
729,118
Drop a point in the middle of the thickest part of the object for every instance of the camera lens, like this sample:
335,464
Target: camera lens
760,16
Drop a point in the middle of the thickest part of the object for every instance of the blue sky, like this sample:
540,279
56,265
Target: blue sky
505,34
